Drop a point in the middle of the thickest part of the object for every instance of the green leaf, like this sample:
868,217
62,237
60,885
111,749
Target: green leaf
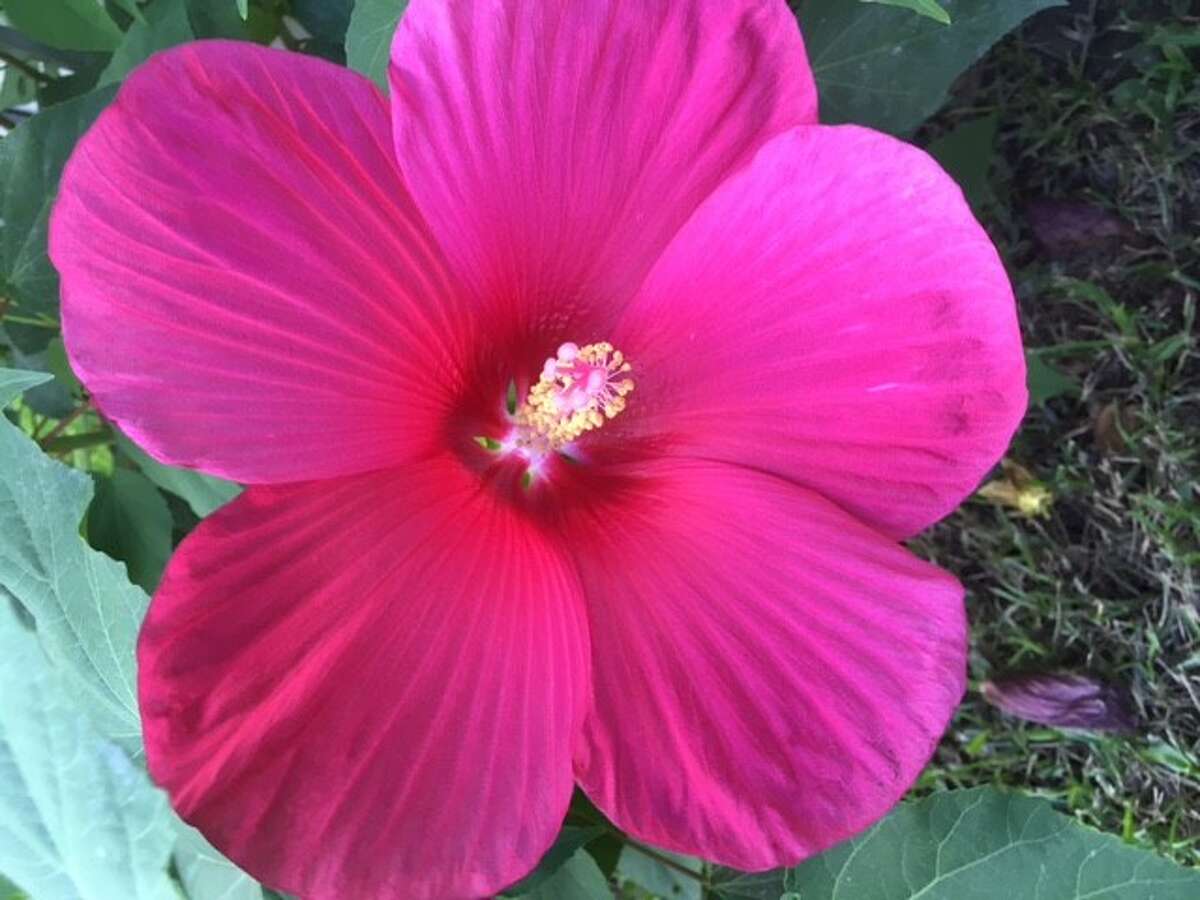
203,493
326,20
129,520
78,821
578,879
86,610
59,366
84,78
1046,382
966,153
217,19
205,873
889,69
31,162
56,398
66,24
14,382
924,7
369,37
9,891
661,880
165,25
726,884
16,87
985,844
131,7
571,839
243,8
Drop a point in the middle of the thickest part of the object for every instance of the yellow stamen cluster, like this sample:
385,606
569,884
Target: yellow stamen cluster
580,389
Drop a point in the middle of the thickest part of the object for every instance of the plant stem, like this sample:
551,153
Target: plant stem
66,443
24,67
64,424
29,320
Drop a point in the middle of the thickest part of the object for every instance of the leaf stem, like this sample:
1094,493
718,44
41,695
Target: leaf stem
29,70
65,443
30,320
63,424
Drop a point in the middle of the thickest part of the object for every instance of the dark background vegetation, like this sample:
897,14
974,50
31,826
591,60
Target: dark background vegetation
1092,192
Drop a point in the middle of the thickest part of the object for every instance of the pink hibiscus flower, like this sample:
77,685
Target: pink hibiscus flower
750,353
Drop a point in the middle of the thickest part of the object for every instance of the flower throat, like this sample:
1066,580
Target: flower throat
580,388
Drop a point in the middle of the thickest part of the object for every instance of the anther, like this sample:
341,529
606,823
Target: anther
580,389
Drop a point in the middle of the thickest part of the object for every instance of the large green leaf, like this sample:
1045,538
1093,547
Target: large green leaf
655,876
78,821
56,398
327,20
9,891
165,24
16,87
206,874
966,153
925,7
14,382
130,521
570,840
31,163
980,844
577,879
889,69
369,37
217,19
203,493
69,24
86,610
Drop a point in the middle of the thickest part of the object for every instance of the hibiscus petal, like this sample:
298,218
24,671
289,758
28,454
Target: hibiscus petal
368,687
247,286
770,679
833,314
555,146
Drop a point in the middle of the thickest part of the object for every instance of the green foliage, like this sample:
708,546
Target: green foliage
165,24
966,152
890,69
14,382
1045,382
86,610
981,844
570,840
924,7
369,37
68,24
203,493
327,21
31,162
217,19
988,845
661,873
1093,111
129,520
206,874
579,878
78,821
